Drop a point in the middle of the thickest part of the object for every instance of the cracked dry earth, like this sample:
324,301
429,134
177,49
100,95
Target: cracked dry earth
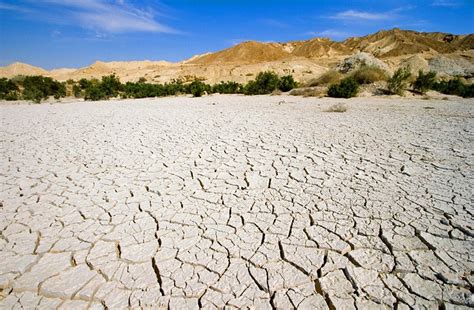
237,202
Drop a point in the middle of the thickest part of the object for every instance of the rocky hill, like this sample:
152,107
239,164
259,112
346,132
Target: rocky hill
396,42
246,52
391,43
303,59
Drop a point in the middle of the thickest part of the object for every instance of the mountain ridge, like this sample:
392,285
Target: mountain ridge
385,43
240,62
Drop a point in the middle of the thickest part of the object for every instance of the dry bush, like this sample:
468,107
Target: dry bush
329,77
309,92
276,92
369,75
337,108
297,92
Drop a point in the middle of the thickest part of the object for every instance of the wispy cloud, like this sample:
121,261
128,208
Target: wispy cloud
100,15
353,14
11,7
356,15
55,33
446,3
331,33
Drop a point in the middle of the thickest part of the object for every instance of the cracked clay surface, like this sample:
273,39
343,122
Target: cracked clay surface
237,202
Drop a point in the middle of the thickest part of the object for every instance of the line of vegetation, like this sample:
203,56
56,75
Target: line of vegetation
397,84
34,88
454,87
38,88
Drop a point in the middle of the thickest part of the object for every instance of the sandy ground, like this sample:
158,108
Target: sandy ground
264,202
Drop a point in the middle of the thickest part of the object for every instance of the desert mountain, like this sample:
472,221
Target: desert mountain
19,68
396,42
246,52
319,47
391,43
303,59
256,52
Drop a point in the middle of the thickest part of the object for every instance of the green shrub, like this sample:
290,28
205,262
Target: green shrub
287,83
143,90
38,87
398,82
111,85
197,88
468,91
424,81
95,92
175,87
451,87
8,89
227,88
455,87
347,88
264,83
60,91
369,75
251,88
84,83
34,94
76,91
12,96
36,82
330,77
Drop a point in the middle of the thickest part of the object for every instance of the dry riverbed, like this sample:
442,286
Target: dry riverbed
264,202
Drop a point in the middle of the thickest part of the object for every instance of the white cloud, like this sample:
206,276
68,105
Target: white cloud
10,7
116,21
55,33
115,16
353,14
445,3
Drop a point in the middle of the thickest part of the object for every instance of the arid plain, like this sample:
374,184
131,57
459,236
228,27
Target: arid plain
233,201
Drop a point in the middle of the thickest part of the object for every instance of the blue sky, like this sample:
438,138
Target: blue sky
75,33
